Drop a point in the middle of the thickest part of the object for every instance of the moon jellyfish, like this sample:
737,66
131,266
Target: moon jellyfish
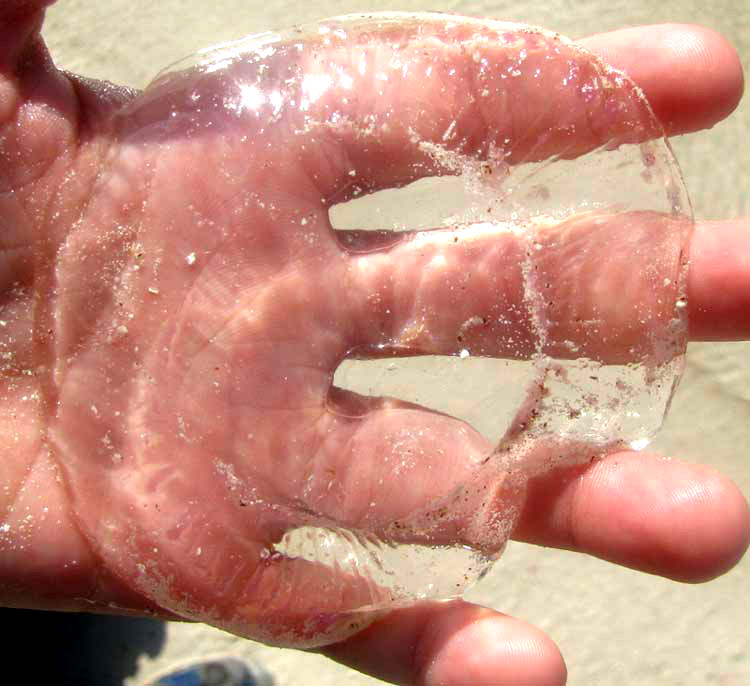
480,218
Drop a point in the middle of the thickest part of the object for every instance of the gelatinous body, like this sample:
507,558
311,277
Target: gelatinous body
220,469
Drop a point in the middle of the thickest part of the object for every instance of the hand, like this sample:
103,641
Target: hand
90,196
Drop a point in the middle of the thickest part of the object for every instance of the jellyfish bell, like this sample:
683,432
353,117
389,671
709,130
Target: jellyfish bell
528,239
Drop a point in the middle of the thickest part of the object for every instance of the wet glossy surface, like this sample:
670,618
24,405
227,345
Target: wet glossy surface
258,497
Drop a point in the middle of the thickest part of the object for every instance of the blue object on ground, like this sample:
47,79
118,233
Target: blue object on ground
225,671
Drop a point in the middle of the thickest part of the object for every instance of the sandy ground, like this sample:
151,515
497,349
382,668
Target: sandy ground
613,625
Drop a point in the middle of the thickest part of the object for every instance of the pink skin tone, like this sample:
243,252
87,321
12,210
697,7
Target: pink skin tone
73,202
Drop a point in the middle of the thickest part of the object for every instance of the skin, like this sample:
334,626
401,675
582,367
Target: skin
632,509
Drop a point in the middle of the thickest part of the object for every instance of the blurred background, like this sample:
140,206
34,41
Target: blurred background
614,626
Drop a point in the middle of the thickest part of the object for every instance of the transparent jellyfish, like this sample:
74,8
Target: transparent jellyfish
489,213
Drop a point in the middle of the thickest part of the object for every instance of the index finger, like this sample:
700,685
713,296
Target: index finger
384,98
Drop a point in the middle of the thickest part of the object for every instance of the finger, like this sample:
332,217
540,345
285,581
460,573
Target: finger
465,86
678,520
444,292
478,88
381,100
42,109
719,281
50,124
663,58
606,287
379,460
453,644
409,474
20,21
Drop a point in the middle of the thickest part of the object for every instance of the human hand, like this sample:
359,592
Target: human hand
99,212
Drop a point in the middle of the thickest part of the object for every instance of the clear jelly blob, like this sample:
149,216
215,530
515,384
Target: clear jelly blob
357,283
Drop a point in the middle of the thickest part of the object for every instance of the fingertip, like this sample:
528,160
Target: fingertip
691,75
719,80
683,521
454,644
723,537
678,520
493,649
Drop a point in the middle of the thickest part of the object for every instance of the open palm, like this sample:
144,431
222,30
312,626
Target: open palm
175,304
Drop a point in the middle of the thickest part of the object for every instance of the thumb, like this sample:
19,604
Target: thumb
44,112
38,109
20,22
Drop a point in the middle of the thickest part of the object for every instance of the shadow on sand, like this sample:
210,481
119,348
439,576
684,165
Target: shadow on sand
68,648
